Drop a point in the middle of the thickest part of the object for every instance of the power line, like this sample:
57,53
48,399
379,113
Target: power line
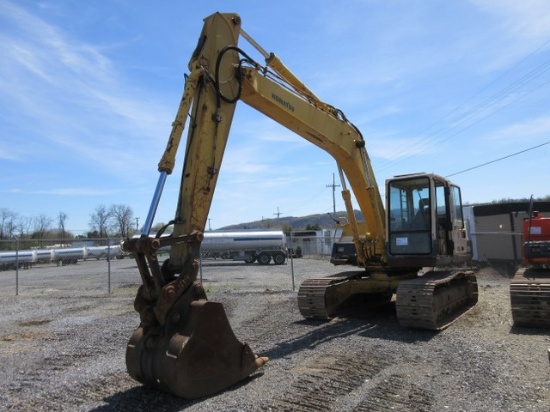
460,119
499,159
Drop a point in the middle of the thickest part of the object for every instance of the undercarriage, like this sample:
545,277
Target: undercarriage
431,301
530,297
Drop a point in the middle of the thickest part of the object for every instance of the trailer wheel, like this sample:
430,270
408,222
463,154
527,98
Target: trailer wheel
249,258
264,258
279,258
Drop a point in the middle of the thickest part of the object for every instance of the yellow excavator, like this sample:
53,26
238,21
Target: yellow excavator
184,343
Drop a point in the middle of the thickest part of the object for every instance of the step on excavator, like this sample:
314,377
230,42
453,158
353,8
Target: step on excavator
530,286
184,343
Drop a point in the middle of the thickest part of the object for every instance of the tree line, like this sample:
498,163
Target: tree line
116,220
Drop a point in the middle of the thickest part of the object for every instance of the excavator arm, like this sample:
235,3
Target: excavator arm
184,343
221,75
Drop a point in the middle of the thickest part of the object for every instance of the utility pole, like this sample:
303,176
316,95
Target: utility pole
278,214
137,224
334,186
209,227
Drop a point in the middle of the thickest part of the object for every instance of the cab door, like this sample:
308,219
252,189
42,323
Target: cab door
410,234
460,243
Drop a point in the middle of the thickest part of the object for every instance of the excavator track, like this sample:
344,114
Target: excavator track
436,299
319,298
432,301
530,297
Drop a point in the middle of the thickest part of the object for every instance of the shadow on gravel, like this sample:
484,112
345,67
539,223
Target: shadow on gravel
336,329
144,398
397,333
385,324
380,323
525,330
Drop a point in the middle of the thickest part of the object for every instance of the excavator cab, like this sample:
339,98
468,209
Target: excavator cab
425,223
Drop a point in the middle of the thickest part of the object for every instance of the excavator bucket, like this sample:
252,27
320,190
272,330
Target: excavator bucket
184,343
202,357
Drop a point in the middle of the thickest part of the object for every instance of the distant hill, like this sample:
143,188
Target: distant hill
322,220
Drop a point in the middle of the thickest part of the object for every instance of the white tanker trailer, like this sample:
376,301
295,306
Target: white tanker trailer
9,259
69,255
249,246
55,255
101,252
44,255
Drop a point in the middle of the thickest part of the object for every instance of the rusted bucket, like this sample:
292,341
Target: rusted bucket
199,356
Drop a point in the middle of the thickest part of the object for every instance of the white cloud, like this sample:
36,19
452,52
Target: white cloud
515,30
528,19
80,191
397,149
69,94
6,154
526,131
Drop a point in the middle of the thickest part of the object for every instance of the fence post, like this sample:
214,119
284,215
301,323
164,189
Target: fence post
292,261
109,264
16,265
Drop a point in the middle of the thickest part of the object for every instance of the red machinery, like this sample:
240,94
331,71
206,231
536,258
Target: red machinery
530,287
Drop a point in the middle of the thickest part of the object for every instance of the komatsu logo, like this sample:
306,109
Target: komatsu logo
282,102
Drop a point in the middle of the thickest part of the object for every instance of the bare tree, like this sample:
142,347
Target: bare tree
23,226
123,217
99,220
7,223
41,226
61,218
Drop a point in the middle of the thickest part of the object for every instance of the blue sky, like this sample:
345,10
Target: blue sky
89,90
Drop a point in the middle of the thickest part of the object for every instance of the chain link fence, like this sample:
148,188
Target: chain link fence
98,267
47,265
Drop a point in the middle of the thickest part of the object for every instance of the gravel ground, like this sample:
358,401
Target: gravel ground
63,338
